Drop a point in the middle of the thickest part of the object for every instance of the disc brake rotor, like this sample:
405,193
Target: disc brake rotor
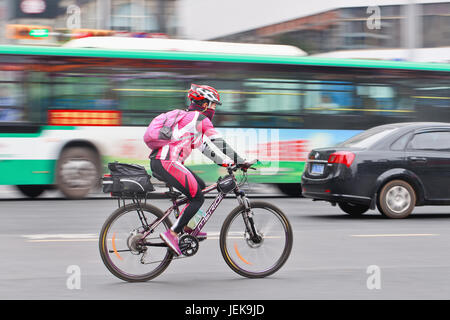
254,242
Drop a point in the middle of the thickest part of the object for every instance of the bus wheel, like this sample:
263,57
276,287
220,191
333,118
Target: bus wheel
77,172
32,191
291,189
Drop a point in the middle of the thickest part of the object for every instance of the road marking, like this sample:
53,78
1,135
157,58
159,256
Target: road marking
62,237
395,235
64,240
91,237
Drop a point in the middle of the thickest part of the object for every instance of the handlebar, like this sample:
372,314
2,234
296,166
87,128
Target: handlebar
243,166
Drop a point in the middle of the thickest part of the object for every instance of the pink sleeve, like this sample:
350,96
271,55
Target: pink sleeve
206,127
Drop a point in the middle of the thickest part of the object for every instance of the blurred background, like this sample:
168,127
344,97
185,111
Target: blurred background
317,28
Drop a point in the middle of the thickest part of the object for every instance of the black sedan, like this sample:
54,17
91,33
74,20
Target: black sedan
394,167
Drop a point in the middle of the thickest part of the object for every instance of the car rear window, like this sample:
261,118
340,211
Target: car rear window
431,141
367,138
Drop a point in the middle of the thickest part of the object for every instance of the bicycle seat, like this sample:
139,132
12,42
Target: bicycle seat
171,193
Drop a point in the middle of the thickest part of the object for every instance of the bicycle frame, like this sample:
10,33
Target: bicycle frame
184,200
210,210
240,195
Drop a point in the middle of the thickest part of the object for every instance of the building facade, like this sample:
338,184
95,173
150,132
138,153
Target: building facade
390,26
62,16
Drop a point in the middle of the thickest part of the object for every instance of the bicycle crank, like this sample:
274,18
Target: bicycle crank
188,245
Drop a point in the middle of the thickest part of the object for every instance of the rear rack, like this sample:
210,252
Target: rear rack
137,198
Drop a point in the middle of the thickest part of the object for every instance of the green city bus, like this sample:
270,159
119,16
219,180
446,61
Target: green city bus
65,112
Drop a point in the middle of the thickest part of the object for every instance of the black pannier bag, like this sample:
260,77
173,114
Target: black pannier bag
127,179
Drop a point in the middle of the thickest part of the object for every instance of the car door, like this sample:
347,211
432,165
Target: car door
428,155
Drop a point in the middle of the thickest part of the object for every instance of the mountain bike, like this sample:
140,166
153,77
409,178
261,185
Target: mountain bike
255,238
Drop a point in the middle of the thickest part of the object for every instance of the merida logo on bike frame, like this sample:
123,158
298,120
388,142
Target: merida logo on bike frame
210,211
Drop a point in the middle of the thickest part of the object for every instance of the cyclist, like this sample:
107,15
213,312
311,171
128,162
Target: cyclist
188,134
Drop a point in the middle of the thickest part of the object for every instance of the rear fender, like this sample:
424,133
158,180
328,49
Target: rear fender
398,173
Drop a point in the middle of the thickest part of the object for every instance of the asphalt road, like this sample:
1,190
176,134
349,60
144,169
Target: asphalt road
45,242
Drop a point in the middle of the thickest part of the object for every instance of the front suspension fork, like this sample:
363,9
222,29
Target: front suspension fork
247,215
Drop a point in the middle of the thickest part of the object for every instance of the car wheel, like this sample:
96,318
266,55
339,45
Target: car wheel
77,172
352,209
396,199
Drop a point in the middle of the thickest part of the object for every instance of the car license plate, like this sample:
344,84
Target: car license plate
317,168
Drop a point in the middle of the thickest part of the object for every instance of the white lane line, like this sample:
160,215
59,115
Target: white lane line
64,240
80,237
395,235
61,237
90,237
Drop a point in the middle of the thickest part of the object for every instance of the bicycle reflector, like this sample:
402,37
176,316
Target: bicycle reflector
344,157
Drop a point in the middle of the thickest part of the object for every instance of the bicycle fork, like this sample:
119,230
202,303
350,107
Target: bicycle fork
247,215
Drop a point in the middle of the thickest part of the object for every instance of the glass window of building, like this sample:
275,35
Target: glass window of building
133,16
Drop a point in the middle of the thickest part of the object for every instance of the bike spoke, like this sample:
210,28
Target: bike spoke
256,257
129,254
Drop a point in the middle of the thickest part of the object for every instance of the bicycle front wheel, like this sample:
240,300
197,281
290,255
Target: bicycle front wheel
257,243
125,250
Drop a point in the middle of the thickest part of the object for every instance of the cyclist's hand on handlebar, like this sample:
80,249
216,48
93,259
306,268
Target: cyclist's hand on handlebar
243,166
227,163
247,165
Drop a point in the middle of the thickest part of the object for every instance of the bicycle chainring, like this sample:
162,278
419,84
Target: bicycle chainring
188,245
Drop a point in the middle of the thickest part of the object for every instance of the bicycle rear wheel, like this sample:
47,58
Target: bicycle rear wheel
123,249
260,256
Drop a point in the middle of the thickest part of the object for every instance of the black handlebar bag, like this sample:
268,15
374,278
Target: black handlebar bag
127,179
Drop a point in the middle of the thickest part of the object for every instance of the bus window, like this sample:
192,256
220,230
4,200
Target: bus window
254,102
263,98
142,93
81,91
327,97
229,114
12,98
432,99
267,95
384,101
375,99
38,91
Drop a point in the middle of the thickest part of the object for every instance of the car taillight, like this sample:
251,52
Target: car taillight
343,157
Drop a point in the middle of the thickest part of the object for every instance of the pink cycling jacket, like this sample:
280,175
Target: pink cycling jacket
187,135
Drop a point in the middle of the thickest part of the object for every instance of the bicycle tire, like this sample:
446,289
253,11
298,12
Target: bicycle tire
287,247
116,271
